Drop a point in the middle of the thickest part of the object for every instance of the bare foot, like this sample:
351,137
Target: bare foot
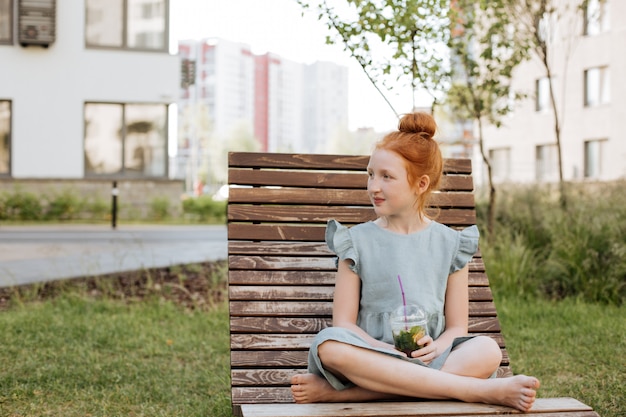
310,388
518,392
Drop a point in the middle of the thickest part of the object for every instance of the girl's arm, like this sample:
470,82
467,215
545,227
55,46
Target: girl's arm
346,303
456,310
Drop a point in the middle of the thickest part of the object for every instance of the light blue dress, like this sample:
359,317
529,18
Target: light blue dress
423,260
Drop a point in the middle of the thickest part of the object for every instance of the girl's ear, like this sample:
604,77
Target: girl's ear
422,184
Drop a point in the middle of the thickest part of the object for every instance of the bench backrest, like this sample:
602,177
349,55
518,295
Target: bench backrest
281,274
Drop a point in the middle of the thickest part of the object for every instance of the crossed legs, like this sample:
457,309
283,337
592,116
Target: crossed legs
378,376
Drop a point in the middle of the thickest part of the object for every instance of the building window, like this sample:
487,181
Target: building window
125,140
500,164
5,137
542,94
546,163
127,24
597,88
594,154
597,17
6,22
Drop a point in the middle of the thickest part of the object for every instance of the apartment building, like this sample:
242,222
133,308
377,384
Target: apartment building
588,66
86,90
287,106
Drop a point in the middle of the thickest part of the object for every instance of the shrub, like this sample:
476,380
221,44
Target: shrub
21,205
64,206
97,209
160,208
204,209
541,248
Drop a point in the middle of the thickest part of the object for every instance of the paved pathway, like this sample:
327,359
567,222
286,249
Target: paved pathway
31,254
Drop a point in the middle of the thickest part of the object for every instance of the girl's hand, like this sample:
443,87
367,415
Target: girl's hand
428,352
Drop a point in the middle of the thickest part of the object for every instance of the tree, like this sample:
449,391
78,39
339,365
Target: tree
484,51
551,28
396,42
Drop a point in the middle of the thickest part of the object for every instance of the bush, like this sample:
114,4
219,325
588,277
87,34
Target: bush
21,205
160,208
64,206
204,209
97,209
541,248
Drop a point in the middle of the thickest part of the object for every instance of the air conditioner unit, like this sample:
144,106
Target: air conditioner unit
37,22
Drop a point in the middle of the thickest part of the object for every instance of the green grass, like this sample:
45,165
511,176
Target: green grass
576,349
76,356
73,356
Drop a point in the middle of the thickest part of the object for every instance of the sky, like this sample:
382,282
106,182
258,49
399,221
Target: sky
278,26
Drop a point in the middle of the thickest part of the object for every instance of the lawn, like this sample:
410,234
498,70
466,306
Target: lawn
90,349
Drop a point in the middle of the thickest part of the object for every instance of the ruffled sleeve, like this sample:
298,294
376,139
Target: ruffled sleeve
468,245
339,241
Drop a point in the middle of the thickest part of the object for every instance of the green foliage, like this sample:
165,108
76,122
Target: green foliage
541,249
204,208
160,208
97,209
20,205
65,205
486,50
396,42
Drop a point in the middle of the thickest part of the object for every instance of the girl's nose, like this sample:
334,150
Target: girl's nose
372,185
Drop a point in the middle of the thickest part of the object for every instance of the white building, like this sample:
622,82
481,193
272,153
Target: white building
588,65
289,106
85,89
325,105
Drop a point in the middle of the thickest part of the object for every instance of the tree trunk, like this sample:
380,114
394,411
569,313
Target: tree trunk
491,207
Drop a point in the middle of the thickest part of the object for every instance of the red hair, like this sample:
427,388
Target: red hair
414,142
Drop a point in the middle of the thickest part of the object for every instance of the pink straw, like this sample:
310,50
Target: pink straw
406,325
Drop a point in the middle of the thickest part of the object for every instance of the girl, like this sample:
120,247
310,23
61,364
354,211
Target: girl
355,360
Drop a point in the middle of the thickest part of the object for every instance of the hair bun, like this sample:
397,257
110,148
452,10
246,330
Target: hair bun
419,123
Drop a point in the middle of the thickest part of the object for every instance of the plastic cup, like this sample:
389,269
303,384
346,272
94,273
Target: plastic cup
408,326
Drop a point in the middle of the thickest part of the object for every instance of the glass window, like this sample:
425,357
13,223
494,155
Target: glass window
126,139
133,24
500,164
546,163
542,94
6,21
5,137
594,151
597,86
597,17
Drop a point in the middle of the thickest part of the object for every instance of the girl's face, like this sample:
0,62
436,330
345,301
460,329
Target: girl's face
388,186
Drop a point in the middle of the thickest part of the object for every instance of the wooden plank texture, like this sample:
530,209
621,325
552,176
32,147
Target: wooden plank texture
546,407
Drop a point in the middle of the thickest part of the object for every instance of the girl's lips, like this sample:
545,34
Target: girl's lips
377,201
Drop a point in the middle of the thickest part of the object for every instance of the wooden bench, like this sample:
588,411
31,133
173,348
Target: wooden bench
281,277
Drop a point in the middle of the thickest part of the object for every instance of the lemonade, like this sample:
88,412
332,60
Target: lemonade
408,326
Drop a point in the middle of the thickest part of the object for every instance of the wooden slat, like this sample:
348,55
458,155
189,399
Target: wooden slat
324,161
281,341
317,179
337,197
315,324
323,308
545,407
314,293
289,359
275,277
321,214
